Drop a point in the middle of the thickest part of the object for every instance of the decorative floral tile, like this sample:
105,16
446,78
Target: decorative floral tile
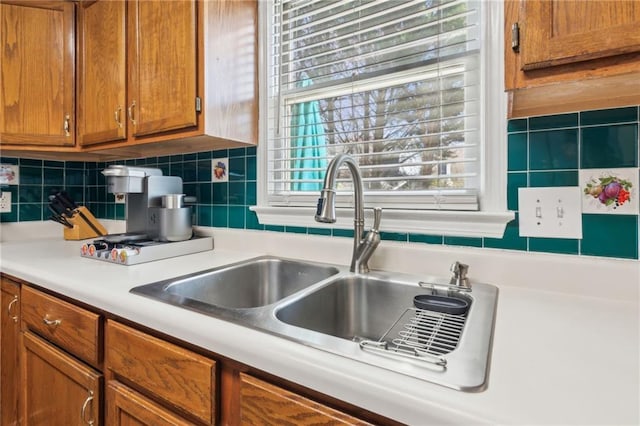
220,167
609,190
9,174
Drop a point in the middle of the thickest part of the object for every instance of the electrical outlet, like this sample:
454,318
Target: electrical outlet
120,198
5,202
554,212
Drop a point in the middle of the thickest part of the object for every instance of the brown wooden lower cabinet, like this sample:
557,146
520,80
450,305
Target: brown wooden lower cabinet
166,372
126,407
9,352
56,388
262,403
149,380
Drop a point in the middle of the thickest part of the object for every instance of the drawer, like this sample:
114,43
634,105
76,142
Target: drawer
177,376
76,330
264,403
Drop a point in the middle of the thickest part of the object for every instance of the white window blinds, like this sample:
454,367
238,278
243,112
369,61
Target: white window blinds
393,83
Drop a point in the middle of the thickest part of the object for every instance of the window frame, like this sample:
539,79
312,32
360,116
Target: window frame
491,218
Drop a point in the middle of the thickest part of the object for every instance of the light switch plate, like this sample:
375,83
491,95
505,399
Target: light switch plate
5,202
554,212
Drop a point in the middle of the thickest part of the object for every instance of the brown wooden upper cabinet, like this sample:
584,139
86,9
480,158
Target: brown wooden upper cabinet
166,77
563,32
102,71
137,69
153,77
571,54
37,93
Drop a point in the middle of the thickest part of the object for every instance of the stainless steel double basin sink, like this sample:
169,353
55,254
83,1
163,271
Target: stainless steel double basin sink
367,317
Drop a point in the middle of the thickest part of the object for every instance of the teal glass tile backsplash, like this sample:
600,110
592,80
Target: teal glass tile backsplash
559,146
609,116
37,180
553,121
517,149
553,149
609,146
553,178
542,151
610,235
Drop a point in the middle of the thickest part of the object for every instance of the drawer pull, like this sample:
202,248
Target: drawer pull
51,323
13,302
83,412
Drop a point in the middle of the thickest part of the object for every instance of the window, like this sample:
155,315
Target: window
398,85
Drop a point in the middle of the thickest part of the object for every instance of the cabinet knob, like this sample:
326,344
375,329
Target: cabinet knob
13,302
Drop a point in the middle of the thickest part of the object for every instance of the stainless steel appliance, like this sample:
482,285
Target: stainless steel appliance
174,218
158,219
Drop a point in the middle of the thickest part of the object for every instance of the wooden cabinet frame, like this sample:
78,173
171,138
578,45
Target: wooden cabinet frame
9,352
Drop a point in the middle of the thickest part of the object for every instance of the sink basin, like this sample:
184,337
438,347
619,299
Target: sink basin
377,313
355,307
250,284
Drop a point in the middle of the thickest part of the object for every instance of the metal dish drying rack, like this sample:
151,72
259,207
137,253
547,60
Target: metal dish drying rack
420,335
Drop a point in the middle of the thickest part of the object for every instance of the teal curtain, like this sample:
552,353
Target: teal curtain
308,145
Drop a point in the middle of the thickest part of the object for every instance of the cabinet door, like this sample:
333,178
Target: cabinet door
102,73
57,389
262,403
9,353
163,73
559,32
126,407
172,374
37,73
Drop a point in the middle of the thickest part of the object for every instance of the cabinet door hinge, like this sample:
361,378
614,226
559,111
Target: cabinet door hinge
515,37
198,104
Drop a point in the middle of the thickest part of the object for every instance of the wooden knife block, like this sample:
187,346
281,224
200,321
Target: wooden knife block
81,226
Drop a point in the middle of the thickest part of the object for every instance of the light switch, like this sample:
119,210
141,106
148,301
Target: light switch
554,212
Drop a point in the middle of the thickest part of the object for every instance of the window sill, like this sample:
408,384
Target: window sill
428,222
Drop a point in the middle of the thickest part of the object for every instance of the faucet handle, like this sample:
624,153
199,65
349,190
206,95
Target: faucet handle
377,217
459,269
460,275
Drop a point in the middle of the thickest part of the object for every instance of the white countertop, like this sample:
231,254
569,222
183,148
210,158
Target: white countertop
566,342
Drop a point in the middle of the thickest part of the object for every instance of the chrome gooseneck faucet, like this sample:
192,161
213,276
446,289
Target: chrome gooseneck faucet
363,248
